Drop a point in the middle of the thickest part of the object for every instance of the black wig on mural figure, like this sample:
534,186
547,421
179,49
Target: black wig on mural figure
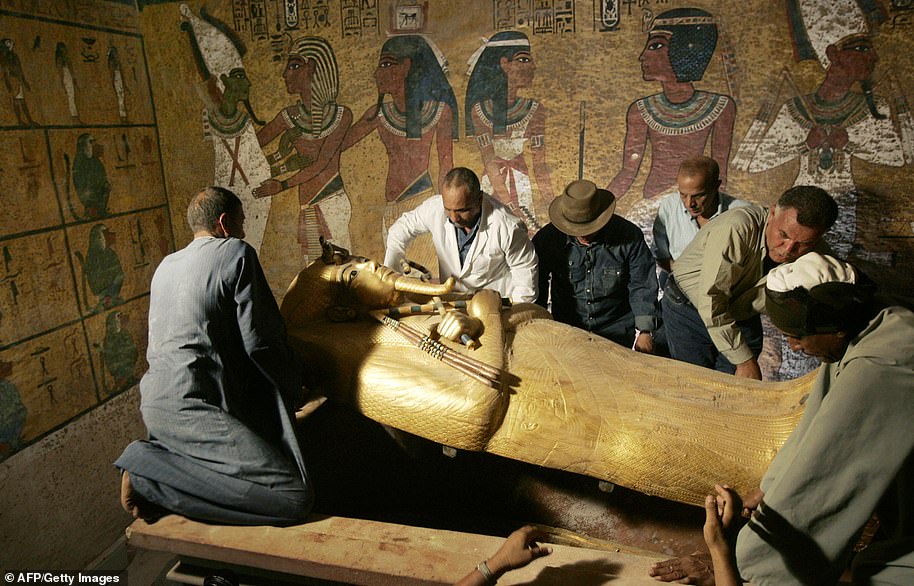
693,39
425,82
504,124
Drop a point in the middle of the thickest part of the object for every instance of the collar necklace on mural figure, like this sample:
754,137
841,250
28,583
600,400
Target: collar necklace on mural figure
697,113
844,112
296,116
395,121
227,126
517,116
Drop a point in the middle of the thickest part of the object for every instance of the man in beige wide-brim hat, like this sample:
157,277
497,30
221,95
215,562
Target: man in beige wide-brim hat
596,268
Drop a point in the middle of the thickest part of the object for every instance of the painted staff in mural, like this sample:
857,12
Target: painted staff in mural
16,83
827,129
680,121
311,134
504,123
228,118
12,412
89,178
423,110
101,269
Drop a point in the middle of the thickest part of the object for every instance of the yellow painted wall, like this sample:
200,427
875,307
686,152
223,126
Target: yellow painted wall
582,64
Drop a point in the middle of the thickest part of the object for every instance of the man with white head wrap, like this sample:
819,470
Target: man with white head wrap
852,455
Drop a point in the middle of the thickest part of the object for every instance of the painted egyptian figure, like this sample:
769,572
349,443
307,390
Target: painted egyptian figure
238,163
830,127
504,124
680,121
310,134
827,129
422,111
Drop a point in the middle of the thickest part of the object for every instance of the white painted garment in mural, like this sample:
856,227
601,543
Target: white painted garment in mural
509,153
871,140
240,165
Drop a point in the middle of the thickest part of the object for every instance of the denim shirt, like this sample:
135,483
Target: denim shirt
608,288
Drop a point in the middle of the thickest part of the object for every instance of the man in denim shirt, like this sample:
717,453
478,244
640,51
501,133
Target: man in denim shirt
597,267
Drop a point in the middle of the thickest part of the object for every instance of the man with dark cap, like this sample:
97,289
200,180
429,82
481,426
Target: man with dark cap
713,299
597,267
850,459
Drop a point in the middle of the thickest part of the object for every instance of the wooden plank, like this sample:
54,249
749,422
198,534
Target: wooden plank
364,552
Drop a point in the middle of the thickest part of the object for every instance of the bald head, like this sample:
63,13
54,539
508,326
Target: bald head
216,211
698,181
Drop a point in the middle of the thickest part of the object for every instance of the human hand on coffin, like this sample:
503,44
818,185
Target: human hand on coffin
751,502
720,529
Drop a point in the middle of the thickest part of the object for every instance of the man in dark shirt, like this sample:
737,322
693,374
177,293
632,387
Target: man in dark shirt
597,267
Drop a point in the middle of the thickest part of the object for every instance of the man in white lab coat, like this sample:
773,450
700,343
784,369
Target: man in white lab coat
477,239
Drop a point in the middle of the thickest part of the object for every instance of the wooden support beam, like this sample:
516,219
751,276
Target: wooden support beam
357,551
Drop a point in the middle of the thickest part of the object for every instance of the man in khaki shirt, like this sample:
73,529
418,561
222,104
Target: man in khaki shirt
712,301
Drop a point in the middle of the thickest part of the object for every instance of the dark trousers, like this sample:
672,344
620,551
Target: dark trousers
688,338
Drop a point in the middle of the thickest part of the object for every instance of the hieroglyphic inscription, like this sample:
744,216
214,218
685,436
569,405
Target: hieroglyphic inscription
85,219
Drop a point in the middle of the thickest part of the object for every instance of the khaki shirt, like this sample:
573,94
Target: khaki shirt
722,273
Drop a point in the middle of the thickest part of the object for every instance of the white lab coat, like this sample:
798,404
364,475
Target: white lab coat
501,256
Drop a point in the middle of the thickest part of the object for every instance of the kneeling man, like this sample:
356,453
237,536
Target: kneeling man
219,396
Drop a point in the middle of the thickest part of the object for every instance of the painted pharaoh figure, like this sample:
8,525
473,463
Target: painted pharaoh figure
504,123
228,119
422,110
829,128
307,156
679,122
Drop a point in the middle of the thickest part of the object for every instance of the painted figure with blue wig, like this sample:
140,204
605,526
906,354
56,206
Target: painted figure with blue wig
422,110
680,122
504,124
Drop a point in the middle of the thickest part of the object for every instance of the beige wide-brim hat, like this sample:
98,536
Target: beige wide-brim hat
582,208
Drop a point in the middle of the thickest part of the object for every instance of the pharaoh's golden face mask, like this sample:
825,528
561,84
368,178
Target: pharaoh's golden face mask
377,286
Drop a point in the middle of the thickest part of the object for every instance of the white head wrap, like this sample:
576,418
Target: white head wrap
486,43
810,270
829,21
